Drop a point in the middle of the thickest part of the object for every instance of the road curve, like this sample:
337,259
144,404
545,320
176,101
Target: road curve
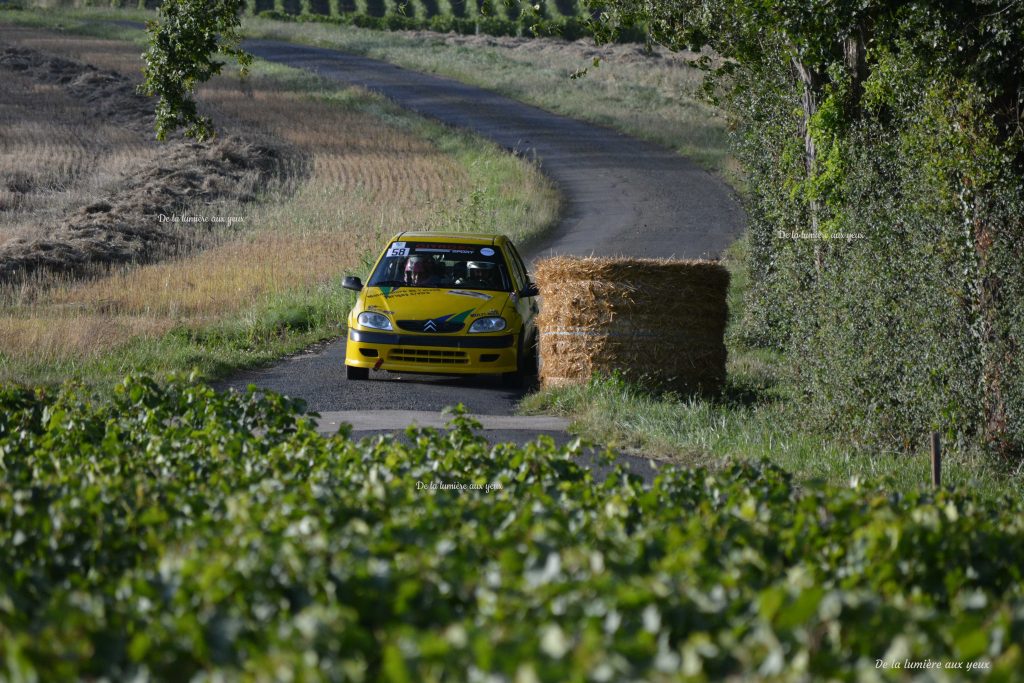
622,197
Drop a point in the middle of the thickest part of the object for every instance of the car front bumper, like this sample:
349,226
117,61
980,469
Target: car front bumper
434,354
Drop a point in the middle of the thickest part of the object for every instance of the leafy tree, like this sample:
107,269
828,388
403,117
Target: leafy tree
183,46
828,43
924,98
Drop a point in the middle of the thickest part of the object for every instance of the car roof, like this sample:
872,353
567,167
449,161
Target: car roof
455,237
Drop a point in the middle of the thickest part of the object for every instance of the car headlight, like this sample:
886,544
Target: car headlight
374,320
488,325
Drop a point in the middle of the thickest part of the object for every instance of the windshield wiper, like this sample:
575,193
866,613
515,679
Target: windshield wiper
389,283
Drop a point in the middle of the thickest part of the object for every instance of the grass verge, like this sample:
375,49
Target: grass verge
754,419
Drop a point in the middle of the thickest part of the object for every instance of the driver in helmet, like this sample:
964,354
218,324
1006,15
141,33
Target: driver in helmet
419,272
482,274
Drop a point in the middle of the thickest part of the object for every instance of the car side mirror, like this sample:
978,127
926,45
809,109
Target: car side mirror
353,283
529,290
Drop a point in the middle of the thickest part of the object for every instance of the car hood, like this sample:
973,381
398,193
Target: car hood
427,303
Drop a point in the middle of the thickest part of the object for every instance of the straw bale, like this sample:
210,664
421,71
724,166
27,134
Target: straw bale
658,320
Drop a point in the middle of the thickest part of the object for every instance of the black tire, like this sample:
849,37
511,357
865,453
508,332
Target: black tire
526,368
354,373
533,363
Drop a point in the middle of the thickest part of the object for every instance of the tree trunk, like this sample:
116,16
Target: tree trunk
809,102
855,57
812,83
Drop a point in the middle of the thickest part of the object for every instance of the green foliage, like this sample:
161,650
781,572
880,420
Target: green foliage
168,531
528,22
183,46
401,22
497,26
276,15
889,139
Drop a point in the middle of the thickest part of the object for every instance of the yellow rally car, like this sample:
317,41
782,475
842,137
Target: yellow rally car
444,303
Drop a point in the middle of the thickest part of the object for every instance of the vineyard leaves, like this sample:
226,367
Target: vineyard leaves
170,530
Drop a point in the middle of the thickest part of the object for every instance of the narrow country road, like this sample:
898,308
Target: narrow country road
623,197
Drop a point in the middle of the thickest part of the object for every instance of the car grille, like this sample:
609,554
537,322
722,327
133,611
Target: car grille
418,326
435,356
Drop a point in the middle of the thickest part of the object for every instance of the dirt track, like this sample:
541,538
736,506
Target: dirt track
622,197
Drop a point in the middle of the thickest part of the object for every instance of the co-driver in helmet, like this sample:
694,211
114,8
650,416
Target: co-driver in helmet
482,274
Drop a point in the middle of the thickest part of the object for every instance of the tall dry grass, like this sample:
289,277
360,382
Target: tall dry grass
368,172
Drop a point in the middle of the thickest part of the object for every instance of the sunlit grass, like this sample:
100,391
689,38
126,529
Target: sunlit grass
694,431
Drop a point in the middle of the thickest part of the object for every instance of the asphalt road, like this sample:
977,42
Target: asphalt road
623,197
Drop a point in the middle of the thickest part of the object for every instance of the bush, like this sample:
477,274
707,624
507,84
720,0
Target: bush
398,22
464,26
275,14
366,21
347,18
895,327
496,26
634,33
574,28
442,23
568,29
529,25
323,19
169,531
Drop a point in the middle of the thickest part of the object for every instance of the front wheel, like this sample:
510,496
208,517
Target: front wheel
355,373
526,368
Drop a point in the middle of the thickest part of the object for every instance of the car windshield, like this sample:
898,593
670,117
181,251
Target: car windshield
438,264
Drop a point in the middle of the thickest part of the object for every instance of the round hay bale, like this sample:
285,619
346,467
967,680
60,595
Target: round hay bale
658,321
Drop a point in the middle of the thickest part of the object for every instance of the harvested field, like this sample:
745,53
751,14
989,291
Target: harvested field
355,172
76,201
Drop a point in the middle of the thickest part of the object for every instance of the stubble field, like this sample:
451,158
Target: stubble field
247,271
